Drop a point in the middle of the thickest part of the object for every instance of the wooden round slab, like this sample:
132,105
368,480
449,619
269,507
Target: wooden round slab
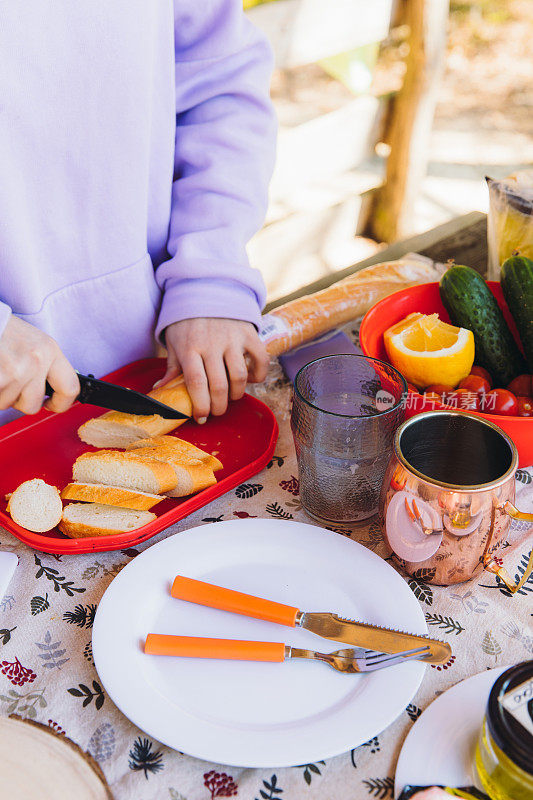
39,764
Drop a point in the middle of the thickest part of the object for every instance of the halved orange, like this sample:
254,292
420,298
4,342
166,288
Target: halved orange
427,350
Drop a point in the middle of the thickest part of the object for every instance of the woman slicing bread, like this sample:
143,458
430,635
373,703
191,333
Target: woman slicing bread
136,142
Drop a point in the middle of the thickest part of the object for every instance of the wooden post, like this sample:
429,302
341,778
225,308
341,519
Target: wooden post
409,118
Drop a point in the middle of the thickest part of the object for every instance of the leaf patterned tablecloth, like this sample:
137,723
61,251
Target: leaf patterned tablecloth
47,671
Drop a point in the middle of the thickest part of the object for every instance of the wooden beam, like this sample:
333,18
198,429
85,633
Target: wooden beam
303,31
410,117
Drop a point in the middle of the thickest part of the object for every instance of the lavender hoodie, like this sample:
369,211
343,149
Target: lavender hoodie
136,145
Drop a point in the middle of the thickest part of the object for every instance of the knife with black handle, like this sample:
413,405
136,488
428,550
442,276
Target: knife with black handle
118,398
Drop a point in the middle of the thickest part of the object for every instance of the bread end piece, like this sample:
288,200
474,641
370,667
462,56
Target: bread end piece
35,505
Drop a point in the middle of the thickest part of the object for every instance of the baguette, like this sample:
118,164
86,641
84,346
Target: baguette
192,475
81,520
117,429
35,505
180,446
135,471
303,319
110,495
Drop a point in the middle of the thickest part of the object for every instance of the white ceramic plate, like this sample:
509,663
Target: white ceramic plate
242,713
440,747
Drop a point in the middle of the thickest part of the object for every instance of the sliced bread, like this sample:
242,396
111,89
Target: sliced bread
135,471
180,446
35,505
192,475
116,429
110,495
94,519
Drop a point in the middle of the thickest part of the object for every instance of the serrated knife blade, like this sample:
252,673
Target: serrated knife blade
373,637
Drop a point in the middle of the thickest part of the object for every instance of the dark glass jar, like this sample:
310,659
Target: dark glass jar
504,753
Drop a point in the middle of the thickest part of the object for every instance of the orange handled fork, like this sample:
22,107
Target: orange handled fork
349,661
327,625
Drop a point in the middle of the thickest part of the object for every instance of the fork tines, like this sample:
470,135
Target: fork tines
379,660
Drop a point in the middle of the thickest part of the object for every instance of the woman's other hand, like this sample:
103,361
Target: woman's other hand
217,357
29,358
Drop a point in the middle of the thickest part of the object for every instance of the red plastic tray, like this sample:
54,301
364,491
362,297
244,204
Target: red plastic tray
46,446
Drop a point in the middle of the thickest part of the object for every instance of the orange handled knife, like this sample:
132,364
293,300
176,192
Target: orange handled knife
327,625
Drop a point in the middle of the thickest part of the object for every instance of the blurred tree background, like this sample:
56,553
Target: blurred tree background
482,125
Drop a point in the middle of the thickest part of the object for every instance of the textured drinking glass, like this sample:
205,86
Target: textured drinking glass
345,411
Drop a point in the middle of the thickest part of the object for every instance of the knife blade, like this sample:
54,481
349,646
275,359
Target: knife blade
373,637
327,625
118,398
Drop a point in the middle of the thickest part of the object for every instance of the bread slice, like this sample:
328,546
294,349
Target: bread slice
110,495
192,474
94,519
35,505
180,446
116,429
135,471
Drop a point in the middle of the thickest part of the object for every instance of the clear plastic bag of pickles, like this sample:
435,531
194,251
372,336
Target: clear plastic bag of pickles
510,223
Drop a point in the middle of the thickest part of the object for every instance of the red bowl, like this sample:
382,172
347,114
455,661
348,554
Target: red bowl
426,299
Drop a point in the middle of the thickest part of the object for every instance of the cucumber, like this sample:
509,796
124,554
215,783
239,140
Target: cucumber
470,304
517,286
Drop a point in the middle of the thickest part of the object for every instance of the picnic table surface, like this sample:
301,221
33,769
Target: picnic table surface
46,666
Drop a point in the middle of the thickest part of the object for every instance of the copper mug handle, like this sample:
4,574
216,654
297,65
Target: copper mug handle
502,573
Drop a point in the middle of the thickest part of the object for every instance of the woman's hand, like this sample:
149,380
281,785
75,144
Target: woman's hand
29,357
217,357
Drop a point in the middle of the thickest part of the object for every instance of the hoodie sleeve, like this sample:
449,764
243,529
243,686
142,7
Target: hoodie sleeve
225,143
5,313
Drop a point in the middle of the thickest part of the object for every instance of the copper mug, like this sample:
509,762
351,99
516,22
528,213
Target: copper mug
448,497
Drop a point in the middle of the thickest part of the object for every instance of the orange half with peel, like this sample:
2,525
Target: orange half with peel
427,350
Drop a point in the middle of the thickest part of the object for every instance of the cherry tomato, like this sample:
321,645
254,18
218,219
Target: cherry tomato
525,406
482,372
500,401
440,388
463,399
522,385
475,383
